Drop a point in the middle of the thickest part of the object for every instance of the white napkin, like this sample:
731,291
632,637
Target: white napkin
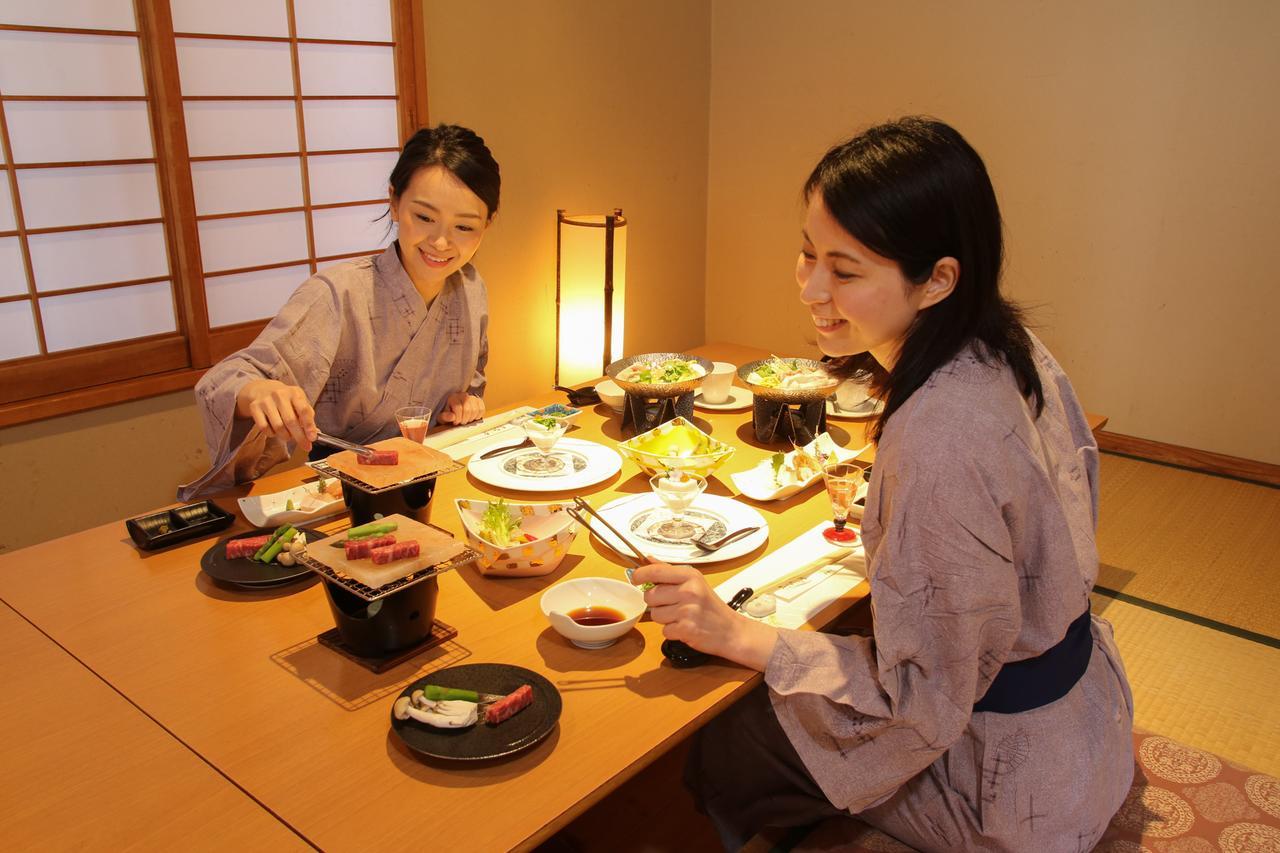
803,599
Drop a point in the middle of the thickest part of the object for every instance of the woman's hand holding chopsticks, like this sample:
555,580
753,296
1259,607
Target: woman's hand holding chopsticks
689,610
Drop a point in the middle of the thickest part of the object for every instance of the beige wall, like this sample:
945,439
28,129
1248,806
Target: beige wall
587,106
1134,150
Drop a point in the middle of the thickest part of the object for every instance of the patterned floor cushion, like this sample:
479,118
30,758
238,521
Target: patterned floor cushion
1183,800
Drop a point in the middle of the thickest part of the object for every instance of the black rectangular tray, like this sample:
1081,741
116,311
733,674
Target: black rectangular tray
169,526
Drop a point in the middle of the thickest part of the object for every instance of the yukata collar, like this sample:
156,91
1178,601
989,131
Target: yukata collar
390,269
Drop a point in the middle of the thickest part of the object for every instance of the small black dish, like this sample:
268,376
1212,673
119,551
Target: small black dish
167,527
528,727
249,573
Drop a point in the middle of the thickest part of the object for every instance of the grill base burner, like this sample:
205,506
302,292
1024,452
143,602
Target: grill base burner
778,422
409,500
440,633
640,414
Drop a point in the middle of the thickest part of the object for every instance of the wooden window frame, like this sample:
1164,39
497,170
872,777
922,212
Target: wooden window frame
61,383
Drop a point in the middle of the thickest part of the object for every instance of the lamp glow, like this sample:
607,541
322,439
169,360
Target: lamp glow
591,262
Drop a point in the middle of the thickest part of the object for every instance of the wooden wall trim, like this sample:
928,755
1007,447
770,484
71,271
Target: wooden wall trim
1189,457
84,399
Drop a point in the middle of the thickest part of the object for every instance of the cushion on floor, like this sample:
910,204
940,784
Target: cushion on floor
1183,800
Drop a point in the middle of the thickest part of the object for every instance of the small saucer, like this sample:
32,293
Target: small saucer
858,412
739,399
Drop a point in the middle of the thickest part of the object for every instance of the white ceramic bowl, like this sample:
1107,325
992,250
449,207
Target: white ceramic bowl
597,592
611,394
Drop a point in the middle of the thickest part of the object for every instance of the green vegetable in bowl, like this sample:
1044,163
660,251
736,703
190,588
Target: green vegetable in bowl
548,422
497,525
777,460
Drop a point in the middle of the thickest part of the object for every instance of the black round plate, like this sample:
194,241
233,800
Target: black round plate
482,740
249,573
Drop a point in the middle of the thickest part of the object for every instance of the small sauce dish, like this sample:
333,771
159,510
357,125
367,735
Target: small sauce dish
593,613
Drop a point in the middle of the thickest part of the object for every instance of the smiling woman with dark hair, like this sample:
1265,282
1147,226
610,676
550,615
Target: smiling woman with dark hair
363,338
986,709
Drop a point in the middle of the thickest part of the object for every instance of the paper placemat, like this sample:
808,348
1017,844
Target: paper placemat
804,597
462,441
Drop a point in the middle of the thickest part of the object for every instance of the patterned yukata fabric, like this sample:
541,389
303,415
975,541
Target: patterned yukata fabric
979,531
361,342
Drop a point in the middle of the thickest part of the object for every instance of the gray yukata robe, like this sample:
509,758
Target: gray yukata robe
979,532
361,342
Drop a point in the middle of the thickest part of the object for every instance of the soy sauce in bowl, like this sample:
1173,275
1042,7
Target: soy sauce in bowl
596,615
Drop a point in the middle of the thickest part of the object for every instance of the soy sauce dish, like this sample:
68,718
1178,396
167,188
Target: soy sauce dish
593,612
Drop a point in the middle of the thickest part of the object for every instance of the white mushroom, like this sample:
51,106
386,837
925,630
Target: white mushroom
285,558
401,708
444,721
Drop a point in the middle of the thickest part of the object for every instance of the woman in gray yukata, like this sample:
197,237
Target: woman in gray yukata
986,709
361,339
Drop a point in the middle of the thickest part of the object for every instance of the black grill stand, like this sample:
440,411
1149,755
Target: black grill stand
640,414
776,422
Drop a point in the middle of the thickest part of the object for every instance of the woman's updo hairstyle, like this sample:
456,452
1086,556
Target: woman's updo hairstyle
458,149
914,191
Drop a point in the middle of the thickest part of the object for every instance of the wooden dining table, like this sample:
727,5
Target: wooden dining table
235,703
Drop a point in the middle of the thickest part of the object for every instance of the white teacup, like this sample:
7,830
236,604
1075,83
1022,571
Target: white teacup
716,384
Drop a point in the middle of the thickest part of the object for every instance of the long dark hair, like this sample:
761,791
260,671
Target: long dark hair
458,149
914,191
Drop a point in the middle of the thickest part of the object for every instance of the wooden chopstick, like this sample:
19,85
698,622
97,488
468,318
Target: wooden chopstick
635,554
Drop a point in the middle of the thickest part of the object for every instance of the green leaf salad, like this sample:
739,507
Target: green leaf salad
497,525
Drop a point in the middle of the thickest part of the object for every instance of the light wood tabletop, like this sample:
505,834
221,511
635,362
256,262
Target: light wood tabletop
81,768
239,677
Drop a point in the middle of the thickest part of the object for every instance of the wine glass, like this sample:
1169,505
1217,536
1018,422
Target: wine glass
413,422
677,491
544,433
842,480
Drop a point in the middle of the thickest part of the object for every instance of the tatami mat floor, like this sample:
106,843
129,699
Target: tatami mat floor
1195,560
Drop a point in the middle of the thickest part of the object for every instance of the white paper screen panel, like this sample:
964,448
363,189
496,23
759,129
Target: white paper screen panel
219,128
103,316
341,125
251,295
340,230
355,20
231,17
226,67
13,275
66,64
251,241
68,259
83,195
17,331
7,220
60,131
84,14
336,178
233,186
346,69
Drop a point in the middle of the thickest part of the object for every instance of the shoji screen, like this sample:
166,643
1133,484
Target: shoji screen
83,254
171,170
292,126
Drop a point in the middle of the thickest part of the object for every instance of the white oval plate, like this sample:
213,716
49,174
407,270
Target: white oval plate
758,483
269,510
634,513
577,463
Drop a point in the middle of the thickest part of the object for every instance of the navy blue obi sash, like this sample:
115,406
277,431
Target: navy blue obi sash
1035,682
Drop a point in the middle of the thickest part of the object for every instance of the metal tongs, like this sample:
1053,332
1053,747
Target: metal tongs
342,444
